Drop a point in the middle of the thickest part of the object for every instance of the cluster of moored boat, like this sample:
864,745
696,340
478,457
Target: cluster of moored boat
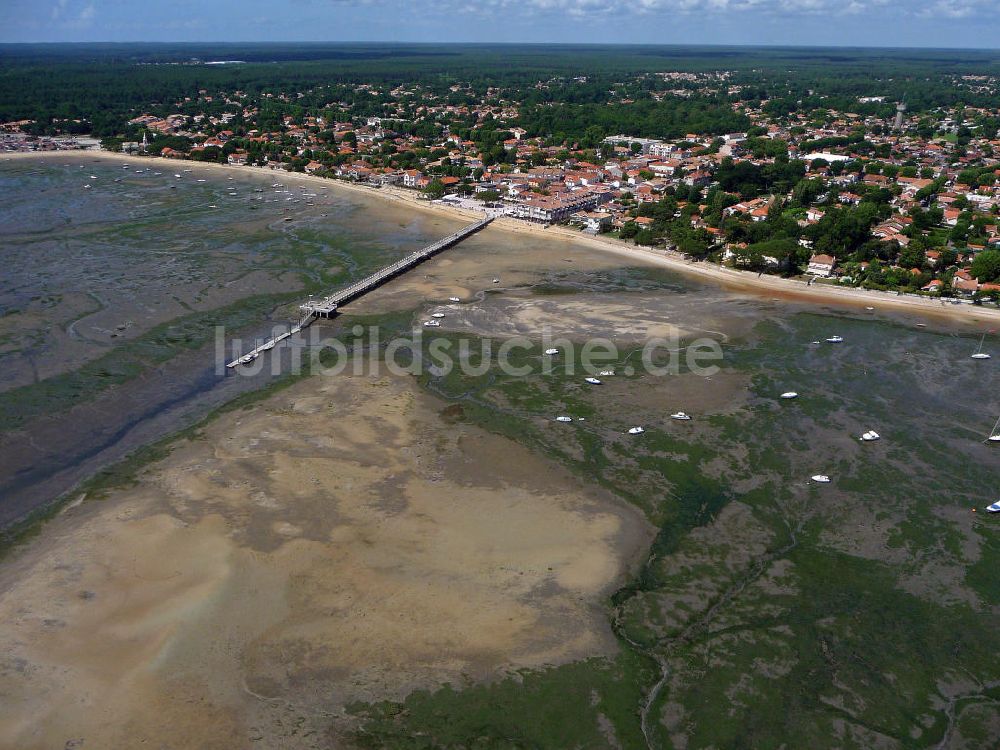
868,436
591,380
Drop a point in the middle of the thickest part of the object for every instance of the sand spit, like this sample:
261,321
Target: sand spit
344,541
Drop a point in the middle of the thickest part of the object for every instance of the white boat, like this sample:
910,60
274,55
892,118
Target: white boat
551,351
606,373
437,315
593,381
870,436
454,299
869,308
679,415
821,478
994,436
636,430
496,281
177,176
564,419
835,339
87,187
199,180
187,170
789,394
431,323
994,508
979,353
93,176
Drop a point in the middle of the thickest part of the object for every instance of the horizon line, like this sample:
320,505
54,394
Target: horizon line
684,45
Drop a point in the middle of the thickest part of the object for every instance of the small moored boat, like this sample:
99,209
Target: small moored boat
564,419
636,430
437,315
870,436
979,353
835,339
821,478
994,436
680,416
789,394
454,299
551,351
431,323
593,381
994,508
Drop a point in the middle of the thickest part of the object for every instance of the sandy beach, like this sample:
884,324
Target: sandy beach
743,281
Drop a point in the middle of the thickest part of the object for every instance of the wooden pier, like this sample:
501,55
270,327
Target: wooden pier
327,307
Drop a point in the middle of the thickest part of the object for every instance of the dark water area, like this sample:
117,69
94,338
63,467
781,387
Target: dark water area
111,294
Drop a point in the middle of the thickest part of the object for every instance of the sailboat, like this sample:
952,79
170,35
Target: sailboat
979,353
994,436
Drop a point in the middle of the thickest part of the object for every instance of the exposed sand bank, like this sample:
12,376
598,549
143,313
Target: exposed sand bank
344,541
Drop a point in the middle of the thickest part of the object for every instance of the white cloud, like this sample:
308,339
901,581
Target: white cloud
626,9
73,15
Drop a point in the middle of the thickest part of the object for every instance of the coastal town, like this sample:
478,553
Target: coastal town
868,196
553,394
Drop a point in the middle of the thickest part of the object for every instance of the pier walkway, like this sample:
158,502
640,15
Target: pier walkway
326,307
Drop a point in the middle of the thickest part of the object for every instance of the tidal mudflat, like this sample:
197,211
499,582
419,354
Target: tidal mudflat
111,294
434,561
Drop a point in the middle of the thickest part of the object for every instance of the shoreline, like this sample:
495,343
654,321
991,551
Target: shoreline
732,279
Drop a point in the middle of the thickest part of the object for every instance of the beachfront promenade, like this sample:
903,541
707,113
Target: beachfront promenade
326,307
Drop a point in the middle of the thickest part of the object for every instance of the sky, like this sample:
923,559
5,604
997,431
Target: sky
878,23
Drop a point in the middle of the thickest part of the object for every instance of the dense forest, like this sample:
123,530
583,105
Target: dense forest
97,88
